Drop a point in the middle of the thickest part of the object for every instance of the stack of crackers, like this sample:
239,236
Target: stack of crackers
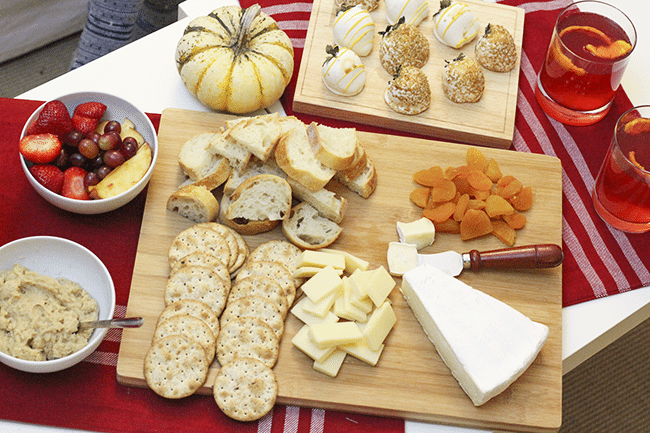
225,308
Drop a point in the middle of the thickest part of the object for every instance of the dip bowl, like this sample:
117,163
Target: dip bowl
117,109
58,257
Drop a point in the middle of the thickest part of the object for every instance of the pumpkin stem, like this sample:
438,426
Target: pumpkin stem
245,24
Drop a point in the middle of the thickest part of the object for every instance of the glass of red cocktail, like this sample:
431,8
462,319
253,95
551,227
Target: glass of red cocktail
622,192
589,50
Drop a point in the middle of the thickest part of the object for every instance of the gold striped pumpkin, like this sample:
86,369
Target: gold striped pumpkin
235,60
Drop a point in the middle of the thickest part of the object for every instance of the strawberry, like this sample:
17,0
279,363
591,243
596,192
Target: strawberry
86,116
53,118
73,184
40,148
50,176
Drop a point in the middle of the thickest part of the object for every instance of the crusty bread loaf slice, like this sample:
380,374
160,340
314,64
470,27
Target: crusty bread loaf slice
358,164
334,147
307,229
195,158
254,167
295,156
258,134
259,198
324,201
287,123
223,144
194,202
243,226
365,183
216,176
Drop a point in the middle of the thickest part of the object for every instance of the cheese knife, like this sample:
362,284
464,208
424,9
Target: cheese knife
524,257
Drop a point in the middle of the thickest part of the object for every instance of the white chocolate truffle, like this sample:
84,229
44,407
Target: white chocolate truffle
403,44
409,92
414,11
496,49
455,25
343,72
369,5
463,80
355,29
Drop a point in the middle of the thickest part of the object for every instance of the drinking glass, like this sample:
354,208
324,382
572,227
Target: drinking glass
591,45
621,194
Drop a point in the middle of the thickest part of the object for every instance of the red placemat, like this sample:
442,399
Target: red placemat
599,260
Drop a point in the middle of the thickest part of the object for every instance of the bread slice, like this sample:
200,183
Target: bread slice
243,226
195,203
358,164
216,176
365,183
194,158
295,156
334,147
258,134
254,167
306,229
223,144
324,201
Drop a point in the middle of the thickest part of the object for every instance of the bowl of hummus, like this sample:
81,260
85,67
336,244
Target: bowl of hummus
48,285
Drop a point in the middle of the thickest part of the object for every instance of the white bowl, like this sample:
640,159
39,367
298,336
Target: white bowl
117,109
58,257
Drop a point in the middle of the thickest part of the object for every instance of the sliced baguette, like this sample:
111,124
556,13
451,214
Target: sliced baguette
216,176
261,197
194,158
294,155
324,201
307,229
243,226
223,144
364,184
254,167
258,134
195,203
334,147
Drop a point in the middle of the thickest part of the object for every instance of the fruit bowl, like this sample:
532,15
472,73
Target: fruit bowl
58,257
117,109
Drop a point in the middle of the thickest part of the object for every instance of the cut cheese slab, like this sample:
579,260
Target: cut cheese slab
323,284
352,262
485,343
308,318
332,364
325,335
401,258
380,285
320,259
302,341
420,232
379,325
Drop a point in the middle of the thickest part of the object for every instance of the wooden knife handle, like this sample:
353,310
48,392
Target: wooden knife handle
526,257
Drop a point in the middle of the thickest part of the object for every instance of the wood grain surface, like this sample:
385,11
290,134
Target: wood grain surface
410,380
489,122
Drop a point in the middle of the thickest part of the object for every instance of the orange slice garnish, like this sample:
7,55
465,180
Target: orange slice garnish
564,62
637,126
632,159
611,51
588,29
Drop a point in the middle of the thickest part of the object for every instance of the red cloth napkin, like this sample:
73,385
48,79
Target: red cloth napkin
599,260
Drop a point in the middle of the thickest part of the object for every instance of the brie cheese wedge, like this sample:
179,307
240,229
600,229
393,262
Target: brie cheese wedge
485,343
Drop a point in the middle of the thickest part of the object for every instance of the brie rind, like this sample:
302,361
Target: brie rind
485,343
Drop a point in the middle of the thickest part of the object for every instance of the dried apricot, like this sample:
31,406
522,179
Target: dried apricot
492,171
475,223
429,177
479,180
447,226
476,204
440,213
496,205
515,220
462,185
523,200
475,159
420,196
510,189
462,171
461,207
504,232
445,191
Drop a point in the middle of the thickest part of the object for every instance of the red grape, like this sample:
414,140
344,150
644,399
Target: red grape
91,178
128,149
109,141
88,148
113,126
94,136
72,138
113,158
77,159
103,171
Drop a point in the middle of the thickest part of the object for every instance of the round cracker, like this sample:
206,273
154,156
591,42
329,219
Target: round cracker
245,389
233,245
244,251
193,308
197,282
271,269
254,306
277,250
247,337
190,326
260,285
202,258
198,239
175,366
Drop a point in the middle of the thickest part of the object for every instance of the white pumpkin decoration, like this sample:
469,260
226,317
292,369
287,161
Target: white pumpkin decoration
235,60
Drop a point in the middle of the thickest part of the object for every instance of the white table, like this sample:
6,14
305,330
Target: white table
586,329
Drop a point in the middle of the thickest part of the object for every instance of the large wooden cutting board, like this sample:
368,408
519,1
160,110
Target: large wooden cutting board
489,122
410,380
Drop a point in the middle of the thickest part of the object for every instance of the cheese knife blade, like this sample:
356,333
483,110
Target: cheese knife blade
525,257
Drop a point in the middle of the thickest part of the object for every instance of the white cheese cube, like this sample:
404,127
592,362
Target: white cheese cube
298,310
302,342
352,263
359,281
485,343
320,259
325,335
379,324
379,286
332,364
363,352
322,307
323,284
421,232
401,258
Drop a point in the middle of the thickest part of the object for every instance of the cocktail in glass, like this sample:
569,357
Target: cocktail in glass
589,50
621,194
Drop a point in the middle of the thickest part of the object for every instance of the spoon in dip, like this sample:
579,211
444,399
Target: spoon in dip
129,322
